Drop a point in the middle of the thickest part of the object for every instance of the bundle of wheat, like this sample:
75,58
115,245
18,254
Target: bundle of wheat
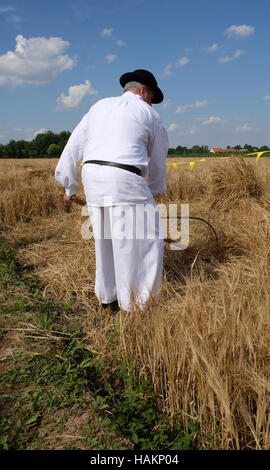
231,182
205,344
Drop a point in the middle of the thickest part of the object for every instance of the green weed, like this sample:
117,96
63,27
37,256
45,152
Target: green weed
61,372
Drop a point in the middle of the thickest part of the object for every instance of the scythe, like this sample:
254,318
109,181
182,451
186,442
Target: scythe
81,202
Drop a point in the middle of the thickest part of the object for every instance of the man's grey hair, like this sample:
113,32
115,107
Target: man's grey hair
132,86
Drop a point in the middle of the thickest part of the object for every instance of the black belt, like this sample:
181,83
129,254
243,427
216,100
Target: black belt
131,168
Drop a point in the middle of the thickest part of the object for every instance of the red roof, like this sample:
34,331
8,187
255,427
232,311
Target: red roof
218,149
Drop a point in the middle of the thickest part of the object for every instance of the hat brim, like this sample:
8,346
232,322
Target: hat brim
133,77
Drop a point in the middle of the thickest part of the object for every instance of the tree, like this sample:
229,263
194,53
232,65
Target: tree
64,136
2,150
22,149
249,148
54,150
41,143
11,149
199,149
181,150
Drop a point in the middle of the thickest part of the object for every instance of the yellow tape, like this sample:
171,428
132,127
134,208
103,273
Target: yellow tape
258,156
255,153
191,164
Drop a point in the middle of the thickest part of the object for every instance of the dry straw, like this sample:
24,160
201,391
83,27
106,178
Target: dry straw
205,344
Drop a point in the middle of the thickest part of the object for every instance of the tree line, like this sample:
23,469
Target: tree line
50,144
205,151
44,145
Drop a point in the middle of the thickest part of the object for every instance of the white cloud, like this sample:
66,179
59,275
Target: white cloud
167,71
120,43
235,56
189,132
34,135
106,32
213,48
211,120
225,59
246,128
14,19
20,129
187,107
10,18
182,61
239,31
167,104
6,9
266,97
238,53
172,127
75,95
35,61
110,58
40,131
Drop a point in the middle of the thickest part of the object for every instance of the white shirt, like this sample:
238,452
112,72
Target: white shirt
123,129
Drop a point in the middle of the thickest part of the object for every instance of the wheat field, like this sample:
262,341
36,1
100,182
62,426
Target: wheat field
206,345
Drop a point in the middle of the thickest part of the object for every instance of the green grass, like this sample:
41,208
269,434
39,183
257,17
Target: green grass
54,393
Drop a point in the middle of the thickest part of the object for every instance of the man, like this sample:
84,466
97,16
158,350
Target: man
113,140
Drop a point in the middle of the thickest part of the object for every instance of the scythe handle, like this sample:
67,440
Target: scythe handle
81,202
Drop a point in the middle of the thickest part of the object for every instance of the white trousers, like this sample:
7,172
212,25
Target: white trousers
129,247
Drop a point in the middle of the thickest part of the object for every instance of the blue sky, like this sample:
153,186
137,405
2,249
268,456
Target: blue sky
210,57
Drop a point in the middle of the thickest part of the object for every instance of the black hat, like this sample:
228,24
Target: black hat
145,78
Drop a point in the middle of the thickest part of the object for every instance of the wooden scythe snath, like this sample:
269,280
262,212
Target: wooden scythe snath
81,202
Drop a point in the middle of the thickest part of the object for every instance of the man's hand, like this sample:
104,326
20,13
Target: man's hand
68,199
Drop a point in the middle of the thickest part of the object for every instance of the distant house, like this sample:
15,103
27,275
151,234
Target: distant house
220,150
216,150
